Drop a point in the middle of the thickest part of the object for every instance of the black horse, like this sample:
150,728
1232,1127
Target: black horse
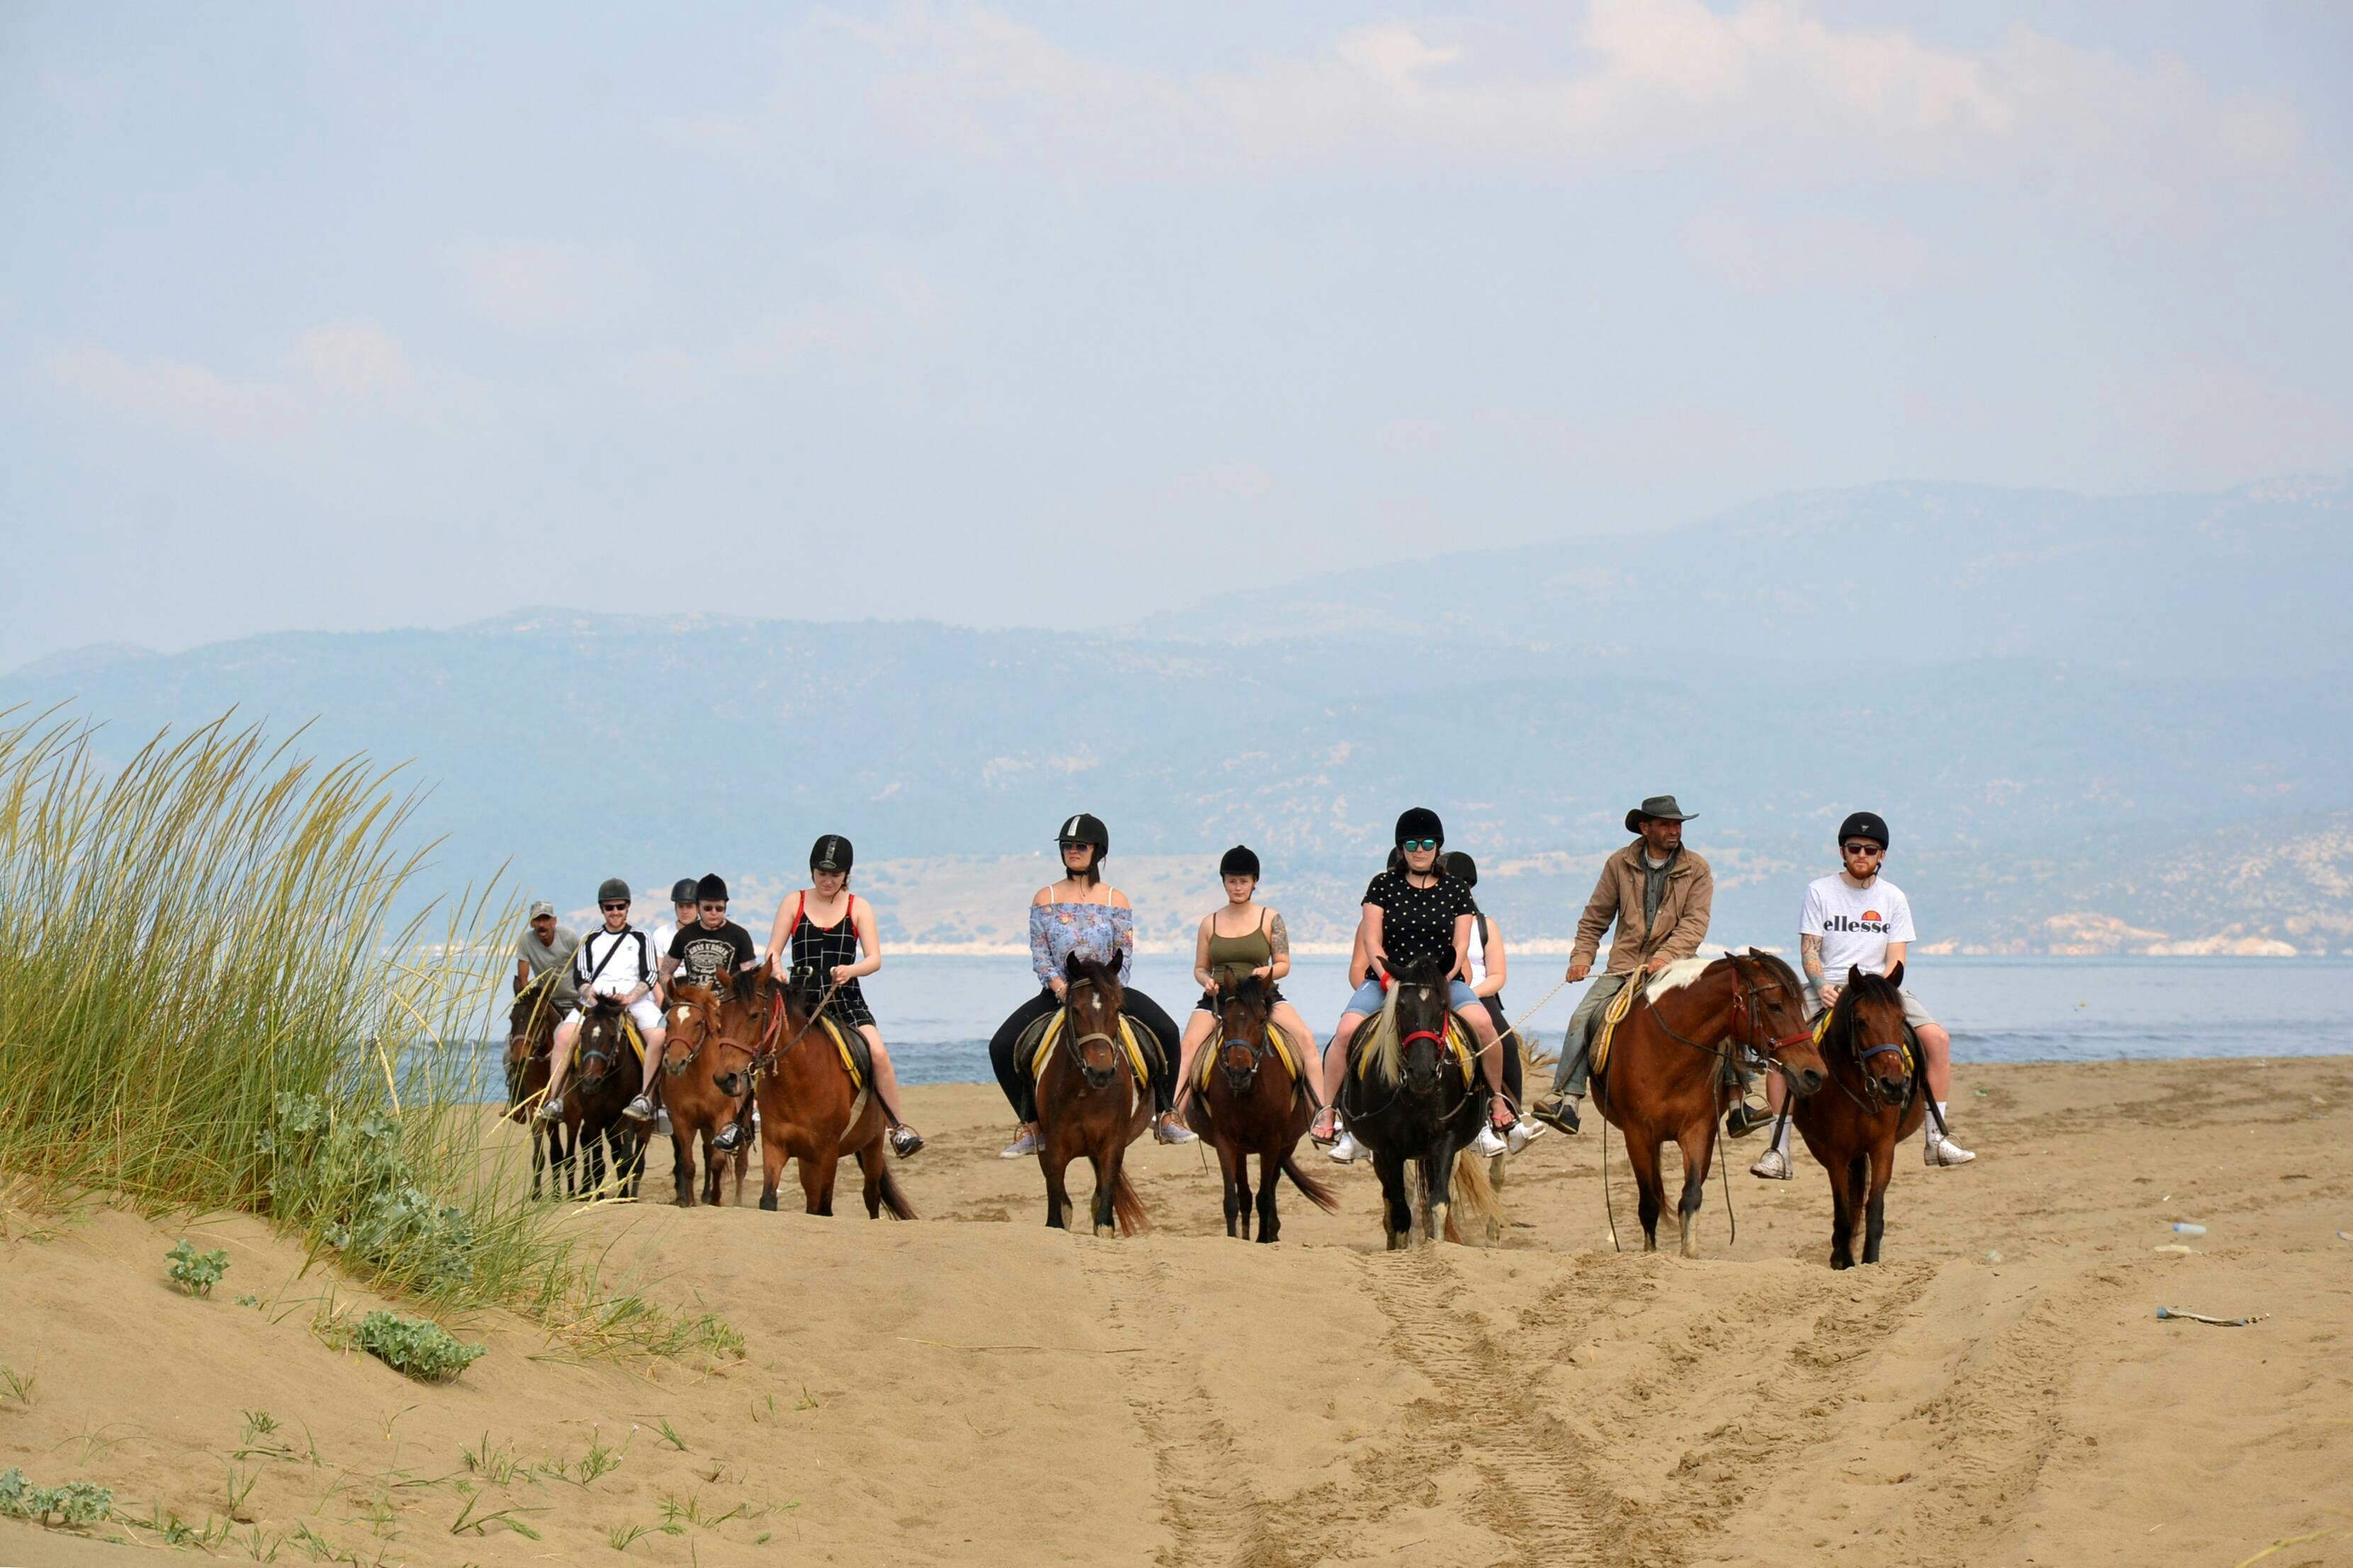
605,1076
1408,1097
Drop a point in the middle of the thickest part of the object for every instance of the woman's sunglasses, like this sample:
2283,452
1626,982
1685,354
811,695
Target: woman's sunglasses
1410,845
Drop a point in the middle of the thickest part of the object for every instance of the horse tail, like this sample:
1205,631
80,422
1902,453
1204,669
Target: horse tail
895,1197
1474,1193
1128,1207
1322,1196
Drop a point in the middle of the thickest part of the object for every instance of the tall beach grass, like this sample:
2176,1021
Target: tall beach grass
209,1000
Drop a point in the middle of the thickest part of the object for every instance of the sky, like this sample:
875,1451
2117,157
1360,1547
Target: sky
328,316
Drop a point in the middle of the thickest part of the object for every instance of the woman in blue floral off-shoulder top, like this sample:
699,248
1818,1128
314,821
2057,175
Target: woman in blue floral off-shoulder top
1080,914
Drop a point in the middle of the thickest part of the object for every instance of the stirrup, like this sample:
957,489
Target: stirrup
1743,1118
1559,1111
905,1141
730,1138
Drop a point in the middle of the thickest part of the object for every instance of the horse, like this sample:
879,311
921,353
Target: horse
810,1111
1089,1099
1669,1069
697,1108
1406,1097
1250,1105
1882,1098
531,1035
607,1074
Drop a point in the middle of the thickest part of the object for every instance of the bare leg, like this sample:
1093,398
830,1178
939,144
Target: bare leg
559,1060
1937,1047
1287,1019
1197,1029
1335,1067
1491,1059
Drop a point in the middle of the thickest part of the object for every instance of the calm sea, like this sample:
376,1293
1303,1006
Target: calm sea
938,1013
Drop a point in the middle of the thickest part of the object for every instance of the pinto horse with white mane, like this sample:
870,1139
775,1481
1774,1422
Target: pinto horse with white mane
1412,1092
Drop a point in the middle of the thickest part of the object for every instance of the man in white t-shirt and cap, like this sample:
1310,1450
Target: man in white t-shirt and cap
617,963
1859,919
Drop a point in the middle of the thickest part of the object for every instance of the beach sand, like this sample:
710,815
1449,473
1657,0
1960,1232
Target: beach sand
975,1388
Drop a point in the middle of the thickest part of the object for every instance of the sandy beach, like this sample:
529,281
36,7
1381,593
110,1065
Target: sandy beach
975,1388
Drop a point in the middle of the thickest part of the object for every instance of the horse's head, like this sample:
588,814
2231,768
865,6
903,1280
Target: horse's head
600,1043
531,1022
1775,1029
1095,998
1415,1019
693,1023
1243,1024
740,1019
1869,1017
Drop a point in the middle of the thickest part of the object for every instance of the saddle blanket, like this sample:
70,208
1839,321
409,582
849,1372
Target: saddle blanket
852,1047
1284,1051
1130,1036
1458,1040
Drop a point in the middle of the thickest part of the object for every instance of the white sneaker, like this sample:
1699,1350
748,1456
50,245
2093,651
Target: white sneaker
638,1110
662,1122
1021,1147
1488,1143
1523,1132
1345,1149
1772,1166
1936,1152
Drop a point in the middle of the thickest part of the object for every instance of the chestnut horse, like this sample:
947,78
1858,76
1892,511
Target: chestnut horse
1406,1097
531,1035
605,1076
1882,1100
697,1111
1251,1105
1670,1071
1089,1102
810,1111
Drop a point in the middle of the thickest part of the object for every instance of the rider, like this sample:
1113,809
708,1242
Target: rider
615,964
543,946
1262,948
1081,915
828,955
1660,894
699,954
1489,967
1411,916
682,909
1858,919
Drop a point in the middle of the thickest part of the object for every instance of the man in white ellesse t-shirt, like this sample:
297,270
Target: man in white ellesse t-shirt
1859,919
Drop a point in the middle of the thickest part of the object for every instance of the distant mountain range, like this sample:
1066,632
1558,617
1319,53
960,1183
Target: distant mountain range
2126,717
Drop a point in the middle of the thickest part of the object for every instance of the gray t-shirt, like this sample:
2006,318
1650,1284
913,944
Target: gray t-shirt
557,956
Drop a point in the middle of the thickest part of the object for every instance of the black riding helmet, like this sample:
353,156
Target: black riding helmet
712,889
830,853
612,889
682,890
1462,868
1239,861
1863,824
1420,822
1086,828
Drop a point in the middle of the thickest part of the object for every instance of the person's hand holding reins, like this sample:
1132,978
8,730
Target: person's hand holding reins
1577,972
1659,962
842,974
1828,994
1061,986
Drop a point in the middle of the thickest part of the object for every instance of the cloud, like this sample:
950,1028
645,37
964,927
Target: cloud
355,358
1771,257
177,393
542,286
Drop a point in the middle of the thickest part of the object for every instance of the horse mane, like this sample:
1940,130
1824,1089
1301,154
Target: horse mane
1250,991
1382,1046
1776,969
1677,975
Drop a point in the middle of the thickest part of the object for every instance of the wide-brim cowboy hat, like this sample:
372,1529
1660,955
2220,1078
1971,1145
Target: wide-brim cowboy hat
1658,807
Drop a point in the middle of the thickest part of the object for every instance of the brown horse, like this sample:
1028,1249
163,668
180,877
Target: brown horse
810,1111
697,1111
1251,1105
531,1035
1089,1102
607,1074
1670,1071
1882,1100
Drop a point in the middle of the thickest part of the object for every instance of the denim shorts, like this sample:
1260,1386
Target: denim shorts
1459,998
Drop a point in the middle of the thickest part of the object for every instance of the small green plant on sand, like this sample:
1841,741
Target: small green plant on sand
17,1385
76,1503
415,1346
197,1272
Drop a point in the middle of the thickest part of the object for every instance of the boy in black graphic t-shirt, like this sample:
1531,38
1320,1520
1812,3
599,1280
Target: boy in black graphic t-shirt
701,954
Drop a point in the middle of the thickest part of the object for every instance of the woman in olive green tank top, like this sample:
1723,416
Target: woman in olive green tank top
1244,936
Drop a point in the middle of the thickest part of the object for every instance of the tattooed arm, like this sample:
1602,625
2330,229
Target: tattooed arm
1809,953
1278,937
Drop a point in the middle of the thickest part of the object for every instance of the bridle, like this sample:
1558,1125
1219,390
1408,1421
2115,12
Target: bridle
1240,1078
1749,1022
1075,1042
1862,1055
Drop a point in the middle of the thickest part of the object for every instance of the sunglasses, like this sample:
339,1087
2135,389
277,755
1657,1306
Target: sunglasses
1410,845
608,909
1860,847
715,909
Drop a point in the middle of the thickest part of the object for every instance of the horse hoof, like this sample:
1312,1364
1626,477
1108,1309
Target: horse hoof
1106,1230
1400,1240
768,1202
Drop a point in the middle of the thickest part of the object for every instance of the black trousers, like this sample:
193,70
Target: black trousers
1021,1094
1511,1047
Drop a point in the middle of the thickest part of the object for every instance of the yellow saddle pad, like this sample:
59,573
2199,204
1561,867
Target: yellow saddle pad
1054,1032
1284,1051
1458,1040
841,1038
630,1033
1619,1006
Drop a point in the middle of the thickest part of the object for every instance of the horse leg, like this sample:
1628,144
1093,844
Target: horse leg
681,1170
1698,1144
713,1159
1058,1190
1270,1168
1437,1179
1397,1212
1642,1154
1106,1179
1883,1166
772,1160
1242,1189
870,1165
1228,1158
1847,1188
1495,1215
817,1178
538,1161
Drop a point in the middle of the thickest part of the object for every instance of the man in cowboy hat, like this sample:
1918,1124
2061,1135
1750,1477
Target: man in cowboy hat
1659,895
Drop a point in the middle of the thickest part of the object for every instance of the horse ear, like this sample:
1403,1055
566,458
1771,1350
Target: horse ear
1071,970
1895,975
1855,974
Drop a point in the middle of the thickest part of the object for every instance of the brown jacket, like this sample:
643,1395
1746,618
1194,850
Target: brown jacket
1681,922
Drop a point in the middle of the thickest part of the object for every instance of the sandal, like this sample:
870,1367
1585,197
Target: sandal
1326,1130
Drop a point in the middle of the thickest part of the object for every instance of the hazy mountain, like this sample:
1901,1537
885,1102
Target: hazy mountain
2053,699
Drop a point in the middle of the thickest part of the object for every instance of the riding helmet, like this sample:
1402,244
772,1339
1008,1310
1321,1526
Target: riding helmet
1241,860
1420,822
1086,828
830,853
1462,868
712,889
1863,824
682,890
611,889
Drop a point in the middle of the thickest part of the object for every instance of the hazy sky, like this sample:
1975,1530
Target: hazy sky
336,316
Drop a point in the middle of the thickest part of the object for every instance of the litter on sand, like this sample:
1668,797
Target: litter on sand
2218,1322
2174,1249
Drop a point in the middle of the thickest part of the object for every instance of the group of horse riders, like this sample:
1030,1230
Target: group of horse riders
1657,893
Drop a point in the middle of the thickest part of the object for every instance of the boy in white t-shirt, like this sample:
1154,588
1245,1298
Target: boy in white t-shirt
1859,919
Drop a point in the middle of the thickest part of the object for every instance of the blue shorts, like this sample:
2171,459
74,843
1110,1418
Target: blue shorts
1459,998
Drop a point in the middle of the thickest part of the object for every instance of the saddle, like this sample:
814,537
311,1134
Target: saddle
1285,1052
628,1030
1038,1039
1600,1031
